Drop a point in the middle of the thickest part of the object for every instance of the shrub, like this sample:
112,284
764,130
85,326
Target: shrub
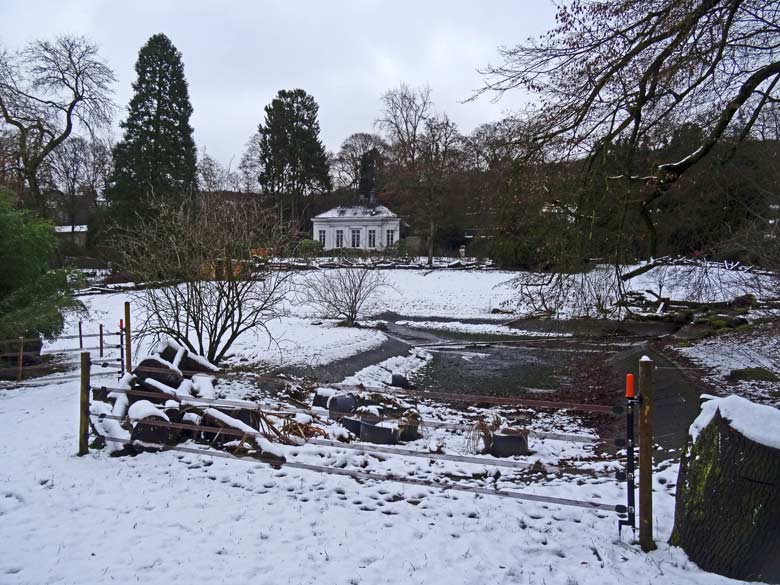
308,249
33,299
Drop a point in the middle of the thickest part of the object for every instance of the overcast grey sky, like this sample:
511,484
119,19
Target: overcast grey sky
345,53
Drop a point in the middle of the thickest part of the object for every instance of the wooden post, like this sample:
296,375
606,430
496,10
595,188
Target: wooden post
20,366
81,339
121,347
84,405
127,337
101,340
646,454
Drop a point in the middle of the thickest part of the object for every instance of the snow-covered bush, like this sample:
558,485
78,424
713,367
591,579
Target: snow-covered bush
203,288
343,293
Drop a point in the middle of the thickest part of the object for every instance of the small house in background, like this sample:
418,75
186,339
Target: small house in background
365,226
71,237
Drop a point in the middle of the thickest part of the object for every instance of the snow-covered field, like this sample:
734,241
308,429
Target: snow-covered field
719,356
476,328
191,518
301,337
172,517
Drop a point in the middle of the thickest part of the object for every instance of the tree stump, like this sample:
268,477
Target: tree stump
727,516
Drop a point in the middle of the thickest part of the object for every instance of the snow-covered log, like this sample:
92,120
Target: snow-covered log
143,415
728,491
158,369
182,359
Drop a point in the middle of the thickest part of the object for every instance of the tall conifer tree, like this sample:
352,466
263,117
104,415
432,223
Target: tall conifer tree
286,155
157,155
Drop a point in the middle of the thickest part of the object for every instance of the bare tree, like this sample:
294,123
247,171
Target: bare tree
214,177
439,161
405,110
619,71
79,169
46,90
346,164
426,151
205,291
343,293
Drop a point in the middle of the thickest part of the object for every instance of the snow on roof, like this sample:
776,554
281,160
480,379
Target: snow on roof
357,211
757,422
64,229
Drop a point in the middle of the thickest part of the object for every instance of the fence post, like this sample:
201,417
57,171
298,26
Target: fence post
81,339
20,366
84,405
630,519
646,454
101,339
127,337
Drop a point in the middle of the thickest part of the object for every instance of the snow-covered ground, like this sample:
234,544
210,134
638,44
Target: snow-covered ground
477,328
720,355
172,517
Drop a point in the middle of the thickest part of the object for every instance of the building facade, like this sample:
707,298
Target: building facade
364,227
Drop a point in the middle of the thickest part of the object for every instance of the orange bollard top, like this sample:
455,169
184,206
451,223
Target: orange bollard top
630,386
121,323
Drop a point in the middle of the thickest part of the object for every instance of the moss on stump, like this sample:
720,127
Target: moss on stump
727,515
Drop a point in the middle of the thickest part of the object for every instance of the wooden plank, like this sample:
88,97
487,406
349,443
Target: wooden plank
366,475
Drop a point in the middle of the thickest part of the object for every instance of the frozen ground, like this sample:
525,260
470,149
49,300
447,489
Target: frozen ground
171,517
476,328
718,356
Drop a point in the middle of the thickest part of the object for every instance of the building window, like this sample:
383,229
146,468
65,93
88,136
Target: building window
390,237
339,238
321,237
372,238
355,238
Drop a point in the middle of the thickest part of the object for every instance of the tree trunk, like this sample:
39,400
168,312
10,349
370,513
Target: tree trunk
35,191
652,234
431,235
728,504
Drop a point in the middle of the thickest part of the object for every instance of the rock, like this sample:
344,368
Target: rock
400,381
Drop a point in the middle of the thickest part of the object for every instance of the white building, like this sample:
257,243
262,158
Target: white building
365,227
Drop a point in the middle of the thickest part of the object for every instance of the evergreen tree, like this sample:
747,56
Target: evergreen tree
157,156
286,155
368,184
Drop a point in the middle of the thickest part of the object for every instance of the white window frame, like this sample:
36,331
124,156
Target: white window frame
339,238
321,237
354,234
390,237
372,238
